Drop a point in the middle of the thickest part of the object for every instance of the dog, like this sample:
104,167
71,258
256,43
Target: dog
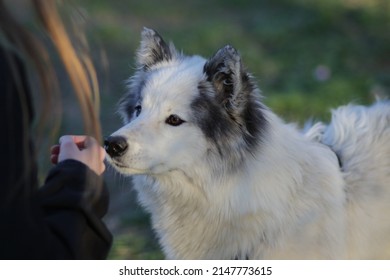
225,178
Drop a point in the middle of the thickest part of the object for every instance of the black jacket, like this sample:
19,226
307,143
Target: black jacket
62,219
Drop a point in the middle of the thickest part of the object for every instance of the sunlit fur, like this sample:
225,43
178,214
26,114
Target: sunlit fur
236,182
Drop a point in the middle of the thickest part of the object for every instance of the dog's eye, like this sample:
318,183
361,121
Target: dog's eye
174,120
137,110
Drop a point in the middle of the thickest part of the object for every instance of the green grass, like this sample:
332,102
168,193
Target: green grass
281,43
134,246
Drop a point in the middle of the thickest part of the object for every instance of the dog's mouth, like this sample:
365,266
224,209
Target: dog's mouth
123,168
120,165
115,162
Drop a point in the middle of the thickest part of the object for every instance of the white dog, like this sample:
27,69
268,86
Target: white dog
225,178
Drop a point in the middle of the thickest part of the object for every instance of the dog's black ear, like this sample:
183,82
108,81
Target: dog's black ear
153,49
225,72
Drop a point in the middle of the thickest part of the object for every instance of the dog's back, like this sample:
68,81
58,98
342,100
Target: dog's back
360,136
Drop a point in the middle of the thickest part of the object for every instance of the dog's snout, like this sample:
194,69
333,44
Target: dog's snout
115,146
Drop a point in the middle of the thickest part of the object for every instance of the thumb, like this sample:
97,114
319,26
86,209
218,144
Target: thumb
67,148
67,141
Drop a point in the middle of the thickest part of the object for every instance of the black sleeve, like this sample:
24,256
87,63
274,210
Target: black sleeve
74,199
62,220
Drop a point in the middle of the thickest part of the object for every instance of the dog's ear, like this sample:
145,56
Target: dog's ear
225,72
153,49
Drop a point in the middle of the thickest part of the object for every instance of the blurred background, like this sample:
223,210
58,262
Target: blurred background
308,56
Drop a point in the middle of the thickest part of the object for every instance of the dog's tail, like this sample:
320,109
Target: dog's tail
360,136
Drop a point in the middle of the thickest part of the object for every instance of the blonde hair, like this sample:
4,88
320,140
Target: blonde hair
74,57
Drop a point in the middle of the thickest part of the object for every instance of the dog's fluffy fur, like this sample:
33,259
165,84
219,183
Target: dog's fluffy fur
225,178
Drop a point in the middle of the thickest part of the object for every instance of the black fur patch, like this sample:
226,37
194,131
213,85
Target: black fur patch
253,116
228,109
222,129
211,118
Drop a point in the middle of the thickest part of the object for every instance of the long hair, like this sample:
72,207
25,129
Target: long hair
34,51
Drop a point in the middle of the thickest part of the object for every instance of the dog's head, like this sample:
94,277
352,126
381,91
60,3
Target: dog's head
182,109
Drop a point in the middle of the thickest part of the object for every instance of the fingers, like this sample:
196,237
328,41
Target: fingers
54,152
67,141
82,148
78,140
91,143
81,140
55,149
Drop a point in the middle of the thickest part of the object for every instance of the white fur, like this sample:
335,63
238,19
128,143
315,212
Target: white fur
286,203
289,199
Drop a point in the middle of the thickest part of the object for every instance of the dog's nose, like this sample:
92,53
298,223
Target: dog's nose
115,146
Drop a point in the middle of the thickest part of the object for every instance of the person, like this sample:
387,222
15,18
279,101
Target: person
63,218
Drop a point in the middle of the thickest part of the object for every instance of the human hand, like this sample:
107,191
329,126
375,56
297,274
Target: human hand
81,148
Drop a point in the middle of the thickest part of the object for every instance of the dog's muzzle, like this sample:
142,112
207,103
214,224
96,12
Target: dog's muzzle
115,146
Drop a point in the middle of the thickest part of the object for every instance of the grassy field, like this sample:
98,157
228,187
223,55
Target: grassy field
308,56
